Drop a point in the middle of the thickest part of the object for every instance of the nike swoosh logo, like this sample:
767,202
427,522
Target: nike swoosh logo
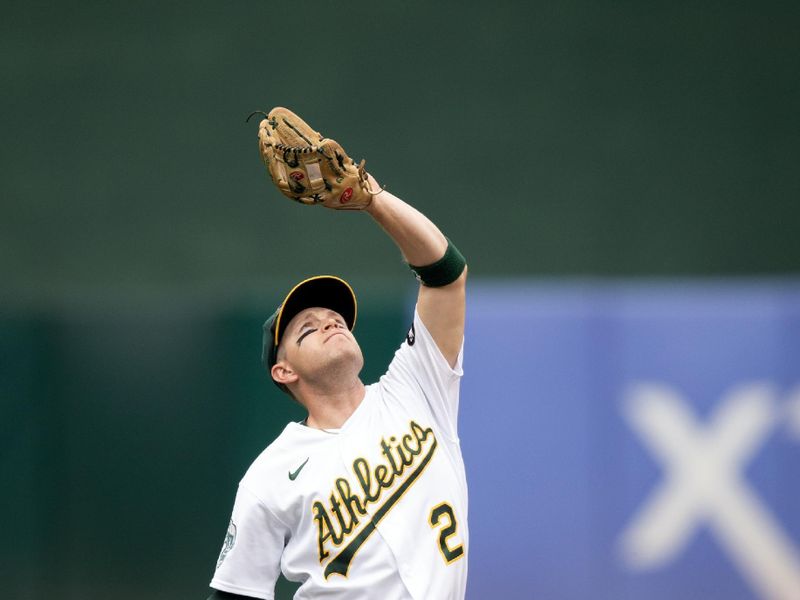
293,475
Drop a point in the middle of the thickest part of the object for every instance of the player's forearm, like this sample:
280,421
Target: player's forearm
420,241
441,301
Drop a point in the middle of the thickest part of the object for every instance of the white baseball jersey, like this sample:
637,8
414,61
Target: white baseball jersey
376,509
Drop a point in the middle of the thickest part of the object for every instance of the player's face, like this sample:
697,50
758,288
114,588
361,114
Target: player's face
317,343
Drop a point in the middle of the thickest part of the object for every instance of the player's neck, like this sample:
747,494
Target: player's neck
330,409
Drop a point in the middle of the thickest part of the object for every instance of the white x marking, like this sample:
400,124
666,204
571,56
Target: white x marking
702,484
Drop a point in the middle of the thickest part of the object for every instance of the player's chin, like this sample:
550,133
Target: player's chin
346,352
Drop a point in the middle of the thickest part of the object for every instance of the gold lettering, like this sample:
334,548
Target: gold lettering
345,528
387,452
323,528
347,506
351,502
407,445
383,476
364,477
420,433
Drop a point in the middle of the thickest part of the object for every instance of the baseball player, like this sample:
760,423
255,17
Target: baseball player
366,497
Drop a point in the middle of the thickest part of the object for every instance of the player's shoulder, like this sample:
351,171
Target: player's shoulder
419,336
418,354
295,440
273,455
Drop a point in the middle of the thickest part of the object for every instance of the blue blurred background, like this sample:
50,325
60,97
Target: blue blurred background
621,176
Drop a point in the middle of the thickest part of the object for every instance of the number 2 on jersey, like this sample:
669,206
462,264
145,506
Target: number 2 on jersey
442,516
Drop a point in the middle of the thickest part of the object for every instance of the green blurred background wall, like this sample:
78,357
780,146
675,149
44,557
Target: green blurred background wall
141,244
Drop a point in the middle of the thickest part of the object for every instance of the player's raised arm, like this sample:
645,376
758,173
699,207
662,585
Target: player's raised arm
314,170
438,264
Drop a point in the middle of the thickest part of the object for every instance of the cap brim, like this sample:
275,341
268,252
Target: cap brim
324,291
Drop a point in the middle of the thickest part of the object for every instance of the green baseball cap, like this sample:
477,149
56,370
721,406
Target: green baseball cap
325,291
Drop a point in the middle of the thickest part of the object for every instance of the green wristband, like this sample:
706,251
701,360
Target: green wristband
444,271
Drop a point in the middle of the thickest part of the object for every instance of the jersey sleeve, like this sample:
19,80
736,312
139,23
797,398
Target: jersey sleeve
419,370
249,562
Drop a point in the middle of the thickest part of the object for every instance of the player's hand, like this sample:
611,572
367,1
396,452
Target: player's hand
309,168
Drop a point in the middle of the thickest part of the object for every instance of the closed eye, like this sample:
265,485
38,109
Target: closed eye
304,334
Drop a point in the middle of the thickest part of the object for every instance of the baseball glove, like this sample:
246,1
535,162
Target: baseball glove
309,168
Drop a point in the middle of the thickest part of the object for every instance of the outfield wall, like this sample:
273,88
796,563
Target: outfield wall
622,440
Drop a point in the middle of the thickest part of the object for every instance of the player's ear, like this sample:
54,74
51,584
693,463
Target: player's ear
283,373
